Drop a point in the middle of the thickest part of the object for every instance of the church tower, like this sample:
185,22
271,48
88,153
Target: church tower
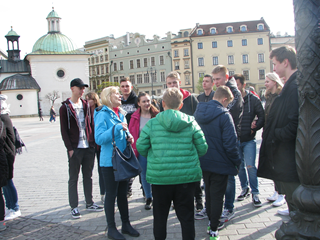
13,52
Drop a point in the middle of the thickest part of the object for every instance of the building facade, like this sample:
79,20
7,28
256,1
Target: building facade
243,47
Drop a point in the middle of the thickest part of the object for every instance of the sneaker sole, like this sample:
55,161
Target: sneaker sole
200,218
257,205
226,219
94,210
76,217
241,199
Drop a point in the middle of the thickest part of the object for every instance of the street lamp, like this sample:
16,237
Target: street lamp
155,72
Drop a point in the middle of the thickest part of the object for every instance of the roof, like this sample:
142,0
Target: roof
53,14
19,81
221,28
12,33
14,67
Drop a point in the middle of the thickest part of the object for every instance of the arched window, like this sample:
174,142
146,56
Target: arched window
213,31
260,27
186,34
243,28
199,32
229,29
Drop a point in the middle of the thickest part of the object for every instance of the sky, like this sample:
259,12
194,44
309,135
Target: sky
83,21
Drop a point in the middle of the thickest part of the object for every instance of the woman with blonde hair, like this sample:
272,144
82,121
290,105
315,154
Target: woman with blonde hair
106,117
273,86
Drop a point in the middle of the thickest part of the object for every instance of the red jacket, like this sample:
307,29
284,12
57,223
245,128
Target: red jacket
69,125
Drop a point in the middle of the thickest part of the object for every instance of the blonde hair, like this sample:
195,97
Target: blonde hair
274,77
173,74
106,95
172,97
223,92
220,69
93,96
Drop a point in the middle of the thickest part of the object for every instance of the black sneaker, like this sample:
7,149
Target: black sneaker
256,201
221,225
94,208
199,205
148,204
75,213
244,194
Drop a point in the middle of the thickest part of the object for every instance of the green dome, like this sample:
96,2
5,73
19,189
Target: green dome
53,14
54,43
12,33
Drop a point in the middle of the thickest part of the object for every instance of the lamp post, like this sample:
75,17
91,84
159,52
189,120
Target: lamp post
305,222
155,72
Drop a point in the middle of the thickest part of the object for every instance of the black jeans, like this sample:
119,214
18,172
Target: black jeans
81,157
114,190
198,191
182,196
216,186
2,208
101,181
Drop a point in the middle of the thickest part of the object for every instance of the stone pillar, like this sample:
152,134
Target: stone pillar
305,222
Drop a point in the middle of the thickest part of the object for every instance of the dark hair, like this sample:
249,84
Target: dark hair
240,77
126,79
153,110
209,76
285,52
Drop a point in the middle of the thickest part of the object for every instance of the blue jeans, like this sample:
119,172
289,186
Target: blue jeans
146,186
52,118
11,196
247,152
230,193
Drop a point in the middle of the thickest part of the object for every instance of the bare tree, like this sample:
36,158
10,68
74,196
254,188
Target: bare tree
52,97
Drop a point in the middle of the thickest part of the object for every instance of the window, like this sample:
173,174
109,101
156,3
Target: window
230,59
98,70
261,74
244,42
154,77
158,91
187,78
106,57
186,34
231,73
186,64
92,60
162,76
60,73
145,62
213,31
101,58
200,62
215,61
176,65
176,53
97,59
146,78
246,74
161,60
132,79
201,75
147,92
186,52
114,66
245,58
139,78
199,32
200,46
229,29
243,28
102,69
94,85
107,68
153,62
260,57
230,43
214,44
121,65
260,27
138,63
131,64
260,41
153,92
115,79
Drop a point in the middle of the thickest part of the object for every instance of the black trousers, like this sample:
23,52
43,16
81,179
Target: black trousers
114,190
198,191
2,208
182,196
288,188
216,186
82,158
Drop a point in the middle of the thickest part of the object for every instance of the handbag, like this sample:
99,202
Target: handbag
125,164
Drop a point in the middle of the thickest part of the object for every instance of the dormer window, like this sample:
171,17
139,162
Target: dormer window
229,29
186,34
199,32
260,27
213,31
243,28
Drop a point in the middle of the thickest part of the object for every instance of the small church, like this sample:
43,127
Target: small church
44,74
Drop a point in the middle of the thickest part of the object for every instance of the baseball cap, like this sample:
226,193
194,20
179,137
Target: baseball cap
77,82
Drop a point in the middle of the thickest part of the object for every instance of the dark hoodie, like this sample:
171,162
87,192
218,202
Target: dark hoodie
218,128
130,105
69,125
236,106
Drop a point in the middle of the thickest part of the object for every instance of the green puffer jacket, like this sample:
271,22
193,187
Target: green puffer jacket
173,143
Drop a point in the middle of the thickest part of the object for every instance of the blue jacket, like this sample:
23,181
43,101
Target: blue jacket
104,120
217,125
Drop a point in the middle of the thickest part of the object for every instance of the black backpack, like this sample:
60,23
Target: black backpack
18,142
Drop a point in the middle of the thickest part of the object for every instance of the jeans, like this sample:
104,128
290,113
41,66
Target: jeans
52,118
11,196
82,158
146,186
101,181
114,190
247,151
182,196
230,193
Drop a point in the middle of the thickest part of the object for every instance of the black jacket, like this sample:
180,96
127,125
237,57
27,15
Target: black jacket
204,98
277,151
252,107
130,105
236,106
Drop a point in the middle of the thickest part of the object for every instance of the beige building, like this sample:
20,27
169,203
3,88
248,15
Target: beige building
243,47
282,40
181,58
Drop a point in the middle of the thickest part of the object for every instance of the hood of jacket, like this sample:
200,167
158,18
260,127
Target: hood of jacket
131,99
232,84
107,109
71,112
174,120
185,93
208,111
247,99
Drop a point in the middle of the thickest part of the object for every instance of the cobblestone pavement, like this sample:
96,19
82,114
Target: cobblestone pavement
41,177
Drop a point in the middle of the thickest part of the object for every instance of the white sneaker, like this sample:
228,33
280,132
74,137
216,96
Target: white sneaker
7,212
284,212
280,201
274,197
12,215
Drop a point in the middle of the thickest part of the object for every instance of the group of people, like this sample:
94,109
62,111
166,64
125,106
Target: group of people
182,141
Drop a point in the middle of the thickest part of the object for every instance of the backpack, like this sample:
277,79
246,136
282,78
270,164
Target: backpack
18,142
